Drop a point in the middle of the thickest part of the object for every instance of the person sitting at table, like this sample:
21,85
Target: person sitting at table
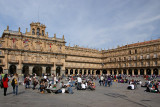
69,89
83,86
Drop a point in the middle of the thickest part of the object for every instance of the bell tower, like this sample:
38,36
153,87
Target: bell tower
37,29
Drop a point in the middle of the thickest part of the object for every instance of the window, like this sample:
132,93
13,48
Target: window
124,58
0,52
148,56
129,64
155,55
135,64
148,63
141,57
141,63
129,58
136,51
0,61
124,65
155,63
42,32
38,31
33,31
135,57
130,52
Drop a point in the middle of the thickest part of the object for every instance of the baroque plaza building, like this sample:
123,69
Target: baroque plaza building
35,52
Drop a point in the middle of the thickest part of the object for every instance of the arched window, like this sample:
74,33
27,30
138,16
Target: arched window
33,31
38,31
42,32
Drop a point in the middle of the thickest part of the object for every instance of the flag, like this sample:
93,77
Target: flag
26,41
13,40
50,45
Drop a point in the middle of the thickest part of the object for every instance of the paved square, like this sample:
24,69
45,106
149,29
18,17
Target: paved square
115,96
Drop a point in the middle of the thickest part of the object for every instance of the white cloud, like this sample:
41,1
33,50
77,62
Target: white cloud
99,24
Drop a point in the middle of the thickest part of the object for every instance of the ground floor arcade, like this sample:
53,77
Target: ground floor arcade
33,69
140,71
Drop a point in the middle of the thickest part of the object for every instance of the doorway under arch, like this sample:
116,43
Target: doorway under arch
148,72
89,72
155,71
1,70
80,72
98,72
66,72
111,72
37,70
104,72
58,69
135,72
141,71
115,72
48,70
130,71
124,72
84,72
12,69
76,71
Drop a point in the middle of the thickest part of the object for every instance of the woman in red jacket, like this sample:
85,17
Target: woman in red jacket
5,84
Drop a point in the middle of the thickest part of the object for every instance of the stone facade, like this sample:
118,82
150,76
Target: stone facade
36,52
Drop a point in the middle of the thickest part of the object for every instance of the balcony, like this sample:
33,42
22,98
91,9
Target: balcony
36,62
13,61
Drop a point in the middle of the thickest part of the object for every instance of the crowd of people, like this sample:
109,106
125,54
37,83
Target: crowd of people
14,80
79,82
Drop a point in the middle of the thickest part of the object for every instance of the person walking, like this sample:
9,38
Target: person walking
5,84
15,83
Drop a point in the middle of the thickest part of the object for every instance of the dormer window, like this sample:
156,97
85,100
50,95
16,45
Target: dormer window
38,31
42,32
33,31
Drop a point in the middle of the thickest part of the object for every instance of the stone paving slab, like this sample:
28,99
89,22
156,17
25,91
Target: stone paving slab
115,96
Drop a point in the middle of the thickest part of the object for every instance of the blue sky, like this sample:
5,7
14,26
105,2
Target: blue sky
87,23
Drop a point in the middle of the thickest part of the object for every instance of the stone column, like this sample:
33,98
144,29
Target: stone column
139,72
101,72
73,71
52,70
43,70
91,72
112,72
82,71
133,72
69,71
78,71
127,71
159,71
6,71
151,71
145,71
117,72
122,71
30,69
19,72
94,72
87,72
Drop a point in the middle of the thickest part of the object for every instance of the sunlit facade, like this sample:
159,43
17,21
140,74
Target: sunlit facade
35,52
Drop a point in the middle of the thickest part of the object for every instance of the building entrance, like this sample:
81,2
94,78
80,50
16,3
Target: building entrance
12,69
37,70
58,69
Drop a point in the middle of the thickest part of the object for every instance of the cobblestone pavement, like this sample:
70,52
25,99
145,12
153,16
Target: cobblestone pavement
115,96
